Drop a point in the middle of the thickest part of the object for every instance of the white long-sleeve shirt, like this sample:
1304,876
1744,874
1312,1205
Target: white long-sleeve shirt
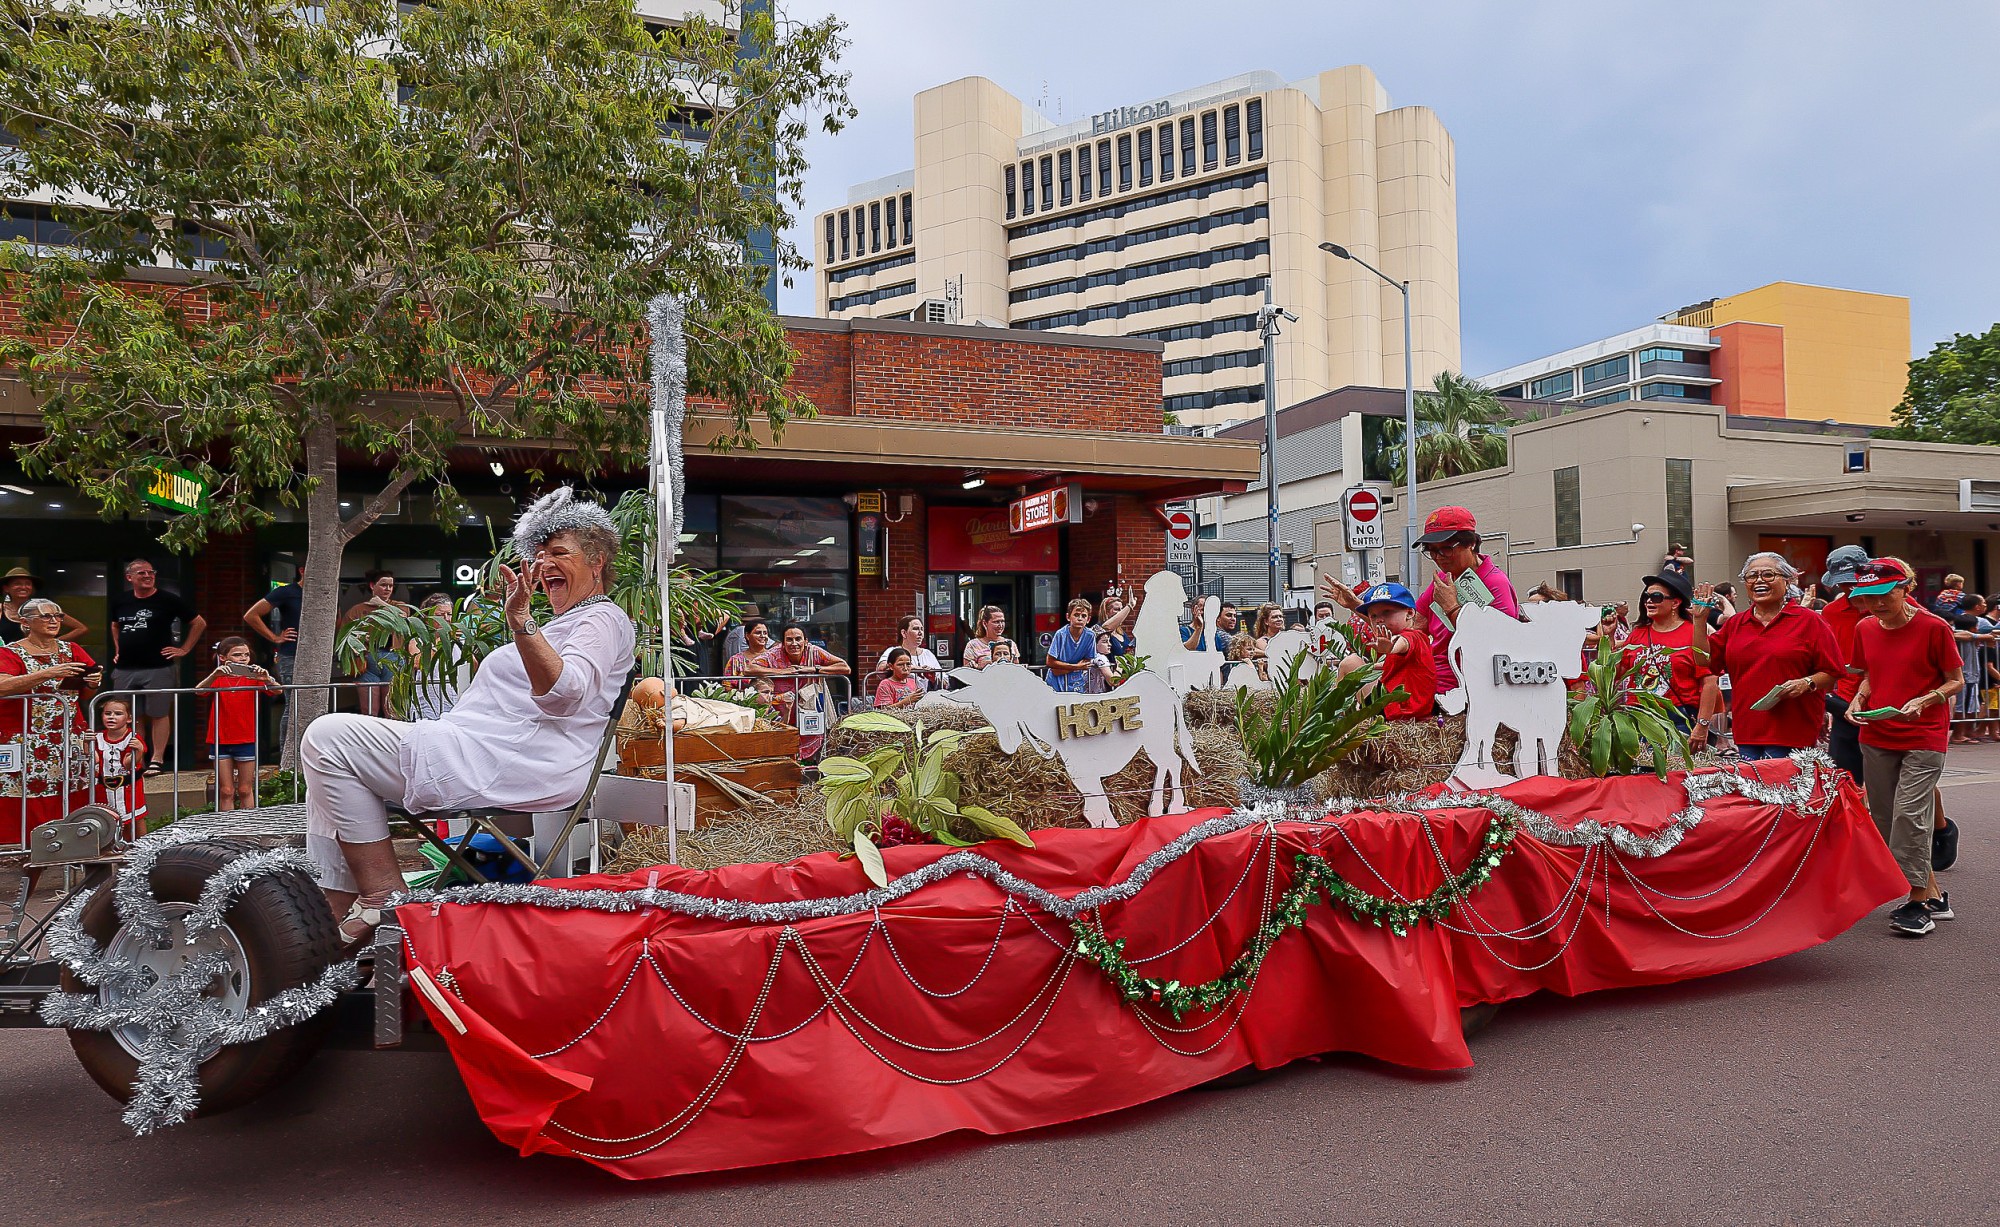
503,746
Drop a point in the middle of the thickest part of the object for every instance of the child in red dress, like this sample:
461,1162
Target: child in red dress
120,757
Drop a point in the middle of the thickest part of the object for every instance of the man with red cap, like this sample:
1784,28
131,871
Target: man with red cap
1910,669
1451,538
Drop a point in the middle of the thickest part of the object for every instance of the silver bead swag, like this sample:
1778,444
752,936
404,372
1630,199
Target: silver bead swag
183,1027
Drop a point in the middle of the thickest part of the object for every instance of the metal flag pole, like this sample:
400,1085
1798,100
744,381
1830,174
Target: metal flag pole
668,362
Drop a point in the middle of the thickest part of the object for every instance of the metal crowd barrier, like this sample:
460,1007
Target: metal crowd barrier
73,772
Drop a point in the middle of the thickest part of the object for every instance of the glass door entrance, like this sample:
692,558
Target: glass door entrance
1032,605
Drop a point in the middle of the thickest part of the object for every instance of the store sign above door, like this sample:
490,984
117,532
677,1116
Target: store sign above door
1059,505
176,490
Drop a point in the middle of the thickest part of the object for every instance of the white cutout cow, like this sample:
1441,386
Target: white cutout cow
1512,673
1094,735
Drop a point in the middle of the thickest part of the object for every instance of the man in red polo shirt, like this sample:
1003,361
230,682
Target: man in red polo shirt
1909,666
1779,656
1842,614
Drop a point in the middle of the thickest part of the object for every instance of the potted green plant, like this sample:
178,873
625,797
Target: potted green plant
1313,723
1613,720
903,793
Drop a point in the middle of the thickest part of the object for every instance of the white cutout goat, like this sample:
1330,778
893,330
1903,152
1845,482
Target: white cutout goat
1021,707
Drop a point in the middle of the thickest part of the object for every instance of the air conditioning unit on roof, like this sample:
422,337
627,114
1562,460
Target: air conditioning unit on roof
1975,494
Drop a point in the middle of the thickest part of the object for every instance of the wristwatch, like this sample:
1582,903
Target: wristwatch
528,629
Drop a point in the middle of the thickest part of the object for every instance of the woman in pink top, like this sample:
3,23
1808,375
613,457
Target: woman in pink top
1451,538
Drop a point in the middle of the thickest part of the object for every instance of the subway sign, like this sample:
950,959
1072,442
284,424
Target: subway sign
176,490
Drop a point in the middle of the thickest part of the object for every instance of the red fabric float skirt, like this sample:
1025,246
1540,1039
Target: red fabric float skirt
654,1044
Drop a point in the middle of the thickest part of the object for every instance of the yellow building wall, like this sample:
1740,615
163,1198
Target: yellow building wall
1847,353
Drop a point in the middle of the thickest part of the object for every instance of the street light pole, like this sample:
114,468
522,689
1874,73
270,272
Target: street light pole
1267,326
1409,415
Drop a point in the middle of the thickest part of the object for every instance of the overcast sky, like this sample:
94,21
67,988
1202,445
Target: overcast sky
1615,161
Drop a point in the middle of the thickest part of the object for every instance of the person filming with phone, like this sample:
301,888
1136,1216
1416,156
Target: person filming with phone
1465,576
45,685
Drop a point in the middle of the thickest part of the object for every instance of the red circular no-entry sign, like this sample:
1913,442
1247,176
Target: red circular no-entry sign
1180,526
1364,505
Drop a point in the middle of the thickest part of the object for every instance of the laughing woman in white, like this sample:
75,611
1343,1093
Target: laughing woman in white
522,736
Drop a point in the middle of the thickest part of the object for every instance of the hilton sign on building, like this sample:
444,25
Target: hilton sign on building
1162,220
1125,117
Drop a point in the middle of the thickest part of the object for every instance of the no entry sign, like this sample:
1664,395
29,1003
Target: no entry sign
1180,538
1361,516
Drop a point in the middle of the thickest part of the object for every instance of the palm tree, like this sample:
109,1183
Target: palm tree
1461,428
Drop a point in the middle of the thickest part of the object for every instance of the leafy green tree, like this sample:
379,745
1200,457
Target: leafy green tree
404,227
1461,428
1954,393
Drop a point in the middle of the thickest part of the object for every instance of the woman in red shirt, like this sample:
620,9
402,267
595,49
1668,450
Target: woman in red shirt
1778,654
1910,669
1659,652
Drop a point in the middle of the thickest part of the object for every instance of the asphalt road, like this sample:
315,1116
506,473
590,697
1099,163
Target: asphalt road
1850,1083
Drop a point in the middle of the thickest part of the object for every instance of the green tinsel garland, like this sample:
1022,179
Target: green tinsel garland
1315,877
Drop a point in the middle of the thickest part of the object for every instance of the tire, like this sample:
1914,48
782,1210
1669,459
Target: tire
1472,1019
286,936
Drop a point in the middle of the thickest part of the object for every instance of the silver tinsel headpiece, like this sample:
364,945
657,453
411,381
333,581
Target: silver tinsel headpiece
555,513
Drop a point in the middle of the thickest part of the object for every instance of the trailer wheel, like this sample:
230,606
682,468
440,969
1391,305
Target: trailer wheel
1472,1019
278,936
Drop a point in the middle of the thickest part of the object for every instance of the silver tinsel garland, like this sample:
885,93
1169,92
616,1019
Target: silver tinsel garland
667,321
183,1026
1794,795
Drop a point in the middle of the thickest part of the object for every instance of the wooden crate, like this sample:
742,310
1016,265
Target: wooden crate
764,761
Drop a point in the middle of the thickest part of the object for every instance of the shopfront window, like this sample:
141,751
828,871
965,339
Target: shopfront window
793,557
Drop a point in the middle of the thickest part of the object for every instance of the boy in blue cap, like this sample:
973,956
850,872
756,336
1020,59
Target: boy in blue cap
1404,650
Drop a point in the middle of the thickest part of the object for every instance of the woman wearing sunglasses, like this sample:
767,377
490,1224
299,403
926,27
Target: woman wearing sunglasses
1659,651
1781,660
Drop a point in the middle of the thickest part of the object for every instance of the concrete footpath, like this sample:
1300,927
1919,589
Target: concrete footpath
1848,1084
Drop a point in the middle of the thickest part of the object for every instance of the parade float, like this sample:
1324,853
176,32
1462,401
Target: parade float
999,909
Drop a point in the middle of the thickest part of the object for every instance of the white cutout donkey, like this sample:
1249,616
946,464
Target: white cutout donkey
1095,735
1513,673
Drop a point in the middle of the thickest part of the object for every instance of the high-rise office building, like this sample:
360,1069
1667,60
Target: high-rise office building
1163,220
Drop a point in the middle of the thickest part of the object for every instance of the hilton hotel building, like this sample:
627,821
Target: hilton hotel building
1162,220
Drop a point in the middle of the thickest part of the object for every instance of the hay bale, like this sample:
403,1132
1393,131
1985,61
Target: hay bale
1409,756
779,832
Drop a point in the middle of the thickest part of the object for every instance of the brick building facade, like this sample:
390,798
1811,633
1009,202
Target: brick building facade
922,416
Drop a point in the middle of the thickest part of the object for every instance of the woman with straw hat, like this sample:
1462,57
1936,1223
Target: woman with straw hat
17,588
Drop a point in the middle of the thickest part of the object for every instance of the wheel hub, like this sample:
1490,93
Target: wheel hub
156,962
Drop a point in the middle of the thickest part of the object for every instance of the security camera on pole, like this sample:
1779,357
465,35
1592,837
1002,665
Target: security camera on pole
1267,327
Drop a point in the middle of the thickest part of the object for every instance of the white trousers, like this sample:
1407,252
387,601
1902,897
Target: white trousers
353,768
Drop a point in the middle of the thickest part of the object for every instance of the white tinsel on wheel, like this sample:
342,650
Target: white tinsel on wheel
1797,794
183,1026
668,322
